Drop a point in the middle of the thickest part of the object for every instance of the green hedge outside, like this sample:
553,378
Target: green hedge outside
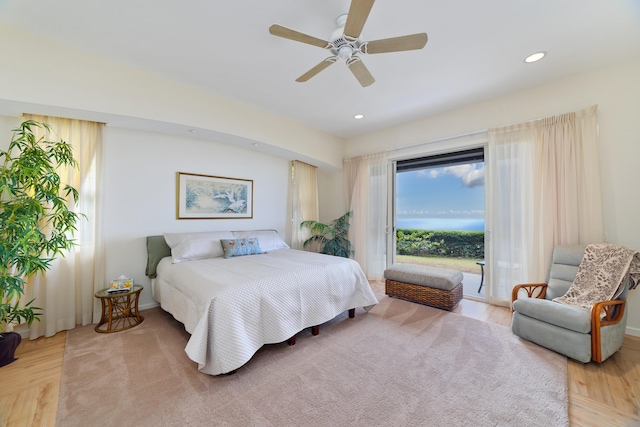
454,244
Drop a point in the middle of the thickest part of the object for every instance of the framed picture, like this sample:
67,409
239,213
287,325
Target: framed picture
213,197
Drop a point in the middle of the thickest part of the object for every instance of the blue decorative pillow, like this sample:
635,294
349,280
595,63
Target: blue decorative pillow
240,247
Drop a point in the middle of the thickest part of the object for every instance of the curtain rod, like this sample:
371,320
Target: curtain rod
438,140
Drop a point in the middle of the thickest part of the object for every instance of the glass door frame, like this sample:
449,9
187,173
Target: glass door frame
469,141
391,213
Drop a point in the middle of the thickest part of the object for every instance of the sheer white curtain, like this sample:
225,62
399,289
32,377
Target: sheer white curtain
304,182
365,181
543,189
66,291
509,212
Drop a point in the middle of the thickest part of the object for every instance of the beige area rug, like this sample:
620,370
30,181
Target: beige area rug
400,364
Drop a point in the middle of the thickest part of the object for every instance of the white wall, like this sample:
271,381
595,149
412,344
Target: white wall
7,124
140,193
616,91
66,82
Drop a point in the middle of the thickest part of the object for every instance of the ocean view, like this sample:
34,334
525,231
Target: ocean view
459,224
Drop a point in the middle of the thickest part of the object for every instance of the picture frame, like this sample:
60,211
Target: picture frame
213,197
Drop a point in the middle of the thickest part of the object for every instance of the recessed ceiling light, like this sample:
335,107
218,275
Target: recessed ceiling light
358,116
193,131
535,57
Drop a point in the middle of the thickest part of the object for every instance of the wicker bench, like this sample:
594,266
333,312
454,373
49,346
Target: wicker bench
436,287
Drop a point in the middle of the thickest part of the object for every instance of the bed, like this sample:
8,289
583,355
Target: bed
234,303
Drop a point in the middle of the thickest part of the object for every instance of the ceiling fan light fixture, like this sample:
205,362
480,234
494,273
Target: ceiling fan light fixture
345,52
534,57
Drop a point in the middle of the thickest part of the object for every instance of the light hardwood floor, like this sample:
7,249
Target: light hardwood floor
599,395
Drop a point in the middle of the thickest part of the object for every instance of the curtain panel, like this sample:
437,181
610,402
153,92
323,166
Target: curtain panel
66,291
365,180
305,207
543,189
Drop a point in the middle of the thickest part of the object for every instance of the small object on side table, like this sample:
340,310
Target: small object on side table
119,310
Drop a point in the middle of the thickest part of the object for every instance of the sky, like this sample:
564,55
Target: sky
445,192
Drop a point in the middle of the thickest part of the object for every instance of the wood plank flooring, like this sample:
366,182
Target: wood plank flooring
599,395
29,387
606,394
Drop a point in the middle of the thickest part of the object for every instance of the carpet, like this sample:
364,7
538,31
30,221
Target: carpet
399,364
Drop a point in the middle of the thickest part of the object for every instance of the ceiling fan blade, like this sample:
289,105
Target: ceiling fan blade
315,70
280,31
360,71
395,44
357,16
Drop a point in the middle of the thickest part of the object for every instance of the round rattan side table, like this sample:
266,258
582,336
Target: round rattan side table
119,310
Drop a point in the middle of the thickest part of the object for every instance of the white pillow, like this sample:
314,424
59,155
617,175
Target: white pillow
269,239
192,246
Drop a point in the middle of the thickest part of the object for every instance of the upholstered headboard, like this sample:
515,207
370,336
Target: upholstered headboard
157,249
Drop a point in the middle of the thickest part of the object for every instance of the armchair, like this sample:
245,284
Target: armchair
577,333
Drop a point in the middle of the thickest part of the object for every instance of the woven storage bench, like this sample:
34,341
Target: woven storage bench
436,287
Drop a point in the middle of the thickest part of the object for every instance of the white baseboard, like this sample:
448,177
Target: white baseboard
23,330
148,306
635,332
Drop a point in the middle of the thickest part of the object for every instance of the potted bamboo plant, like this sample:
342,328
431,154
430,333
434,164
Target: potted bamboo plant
36,222
332,237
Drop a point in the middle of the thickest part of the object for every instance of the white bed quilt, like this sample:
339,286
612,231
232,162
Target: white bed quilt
234,306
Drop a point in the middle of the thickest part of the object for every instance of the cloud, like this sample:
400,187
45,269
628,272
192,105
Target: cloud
471,176
430,173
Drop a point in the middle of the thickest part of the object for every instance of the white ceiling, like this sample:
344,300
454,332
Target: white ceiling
475,49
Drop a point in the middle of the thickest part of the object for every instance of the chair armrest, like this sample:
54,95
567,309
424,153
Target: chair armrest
613,312
530,288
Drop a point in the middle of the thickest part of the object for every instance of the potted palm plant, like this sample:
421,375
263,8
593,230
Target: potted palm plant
331,238
36,222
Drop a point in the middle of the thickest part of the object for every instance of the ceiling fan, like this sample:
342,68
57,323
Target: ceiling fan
345,43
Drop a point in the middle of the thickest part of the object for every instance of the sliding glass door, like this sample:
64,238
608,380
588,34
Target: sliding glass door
438,213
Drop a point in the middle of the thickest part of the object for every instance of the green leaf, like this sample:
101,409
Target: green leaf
332,238
36,217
